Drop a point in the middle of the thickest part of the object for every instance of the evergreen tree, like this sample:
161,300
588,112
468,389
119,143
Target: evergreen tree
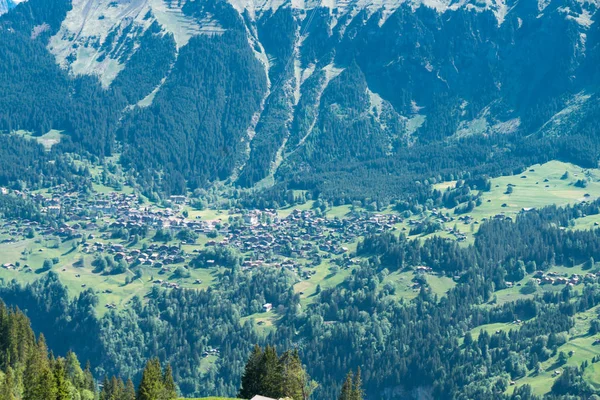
251,379
347,389
62,385
129,392
357,391
88,378
293,375
38,380
151,386
118,388
170,389
7,389
106,389
271,374
73,370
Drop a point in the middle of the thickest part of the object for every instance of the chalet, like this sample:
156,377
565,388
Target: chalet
423,268
250,219
178,199
267,307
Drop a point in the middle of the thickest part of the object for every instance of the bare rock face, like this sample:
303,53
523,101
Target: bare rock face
99,36
5,6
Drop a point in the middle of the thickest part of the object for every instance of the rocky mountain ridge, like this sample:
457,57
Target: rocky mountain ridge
298,93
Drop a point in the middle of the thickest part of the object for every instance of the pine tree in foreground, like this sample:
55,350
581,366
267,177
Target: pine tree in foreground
346,393
352,387
156,384
129,393
251,376
357,391
169,387
7,390
270,375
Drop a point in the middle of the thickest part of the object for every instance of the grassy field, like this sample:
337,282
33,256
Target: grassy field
209,215
514,293
211,398
581,344
264,323
47,140
405,288
107,189
326,276
76,272
492,328
586,223
284,212
537,187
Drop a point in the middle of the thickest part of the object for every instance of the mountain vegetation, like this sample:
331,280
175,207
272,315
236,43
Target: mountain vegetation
367,106
268,374
442,350
30,372
341,106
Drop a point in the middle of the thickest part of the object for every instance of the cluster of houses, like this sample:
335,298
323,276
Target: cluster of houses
554,278
262,236
156,255
300,235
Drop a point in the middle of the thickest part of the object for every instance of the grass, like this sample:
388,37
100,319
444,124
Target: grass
592,375
587,223
581,344
492,328
284,212
210,398
264,323
440,285
207,363
403,284
209,215
514,293
107,189
339,211
47,140
324,276
539,186
111,289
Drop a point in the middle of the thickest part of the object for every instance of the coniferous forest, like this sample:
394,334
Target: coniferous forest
225,198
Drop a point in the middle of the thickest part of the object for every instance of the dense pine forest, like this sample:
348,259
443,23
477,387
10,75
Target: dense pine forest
30,371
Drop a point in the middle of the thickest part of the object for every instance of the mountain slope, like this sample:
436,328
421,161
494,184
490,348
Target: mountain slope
311,95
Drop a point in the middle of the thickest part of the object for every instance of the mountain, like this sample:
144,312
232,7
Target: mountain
6,5
313,95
